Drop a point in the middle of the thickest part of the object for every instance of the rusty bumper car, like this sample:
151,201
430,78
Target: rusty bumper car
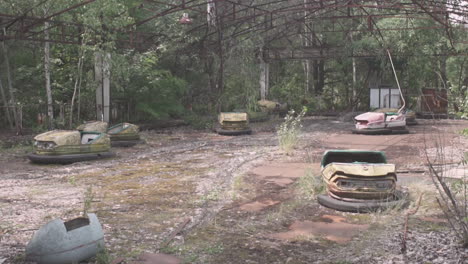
233,124
359,181
375,123
121,135
124,135
64,147
273,107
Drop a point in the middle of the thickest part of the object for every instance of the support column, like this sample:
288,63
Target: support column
264,79
102,75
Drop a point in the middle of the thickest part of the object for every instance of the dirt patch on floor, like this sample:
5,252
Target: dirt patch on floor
258,205
331,227
149,258
280,174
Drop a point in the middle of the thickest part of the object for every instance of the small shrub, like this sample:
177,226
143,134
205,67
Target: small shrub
310,185
88,200
464,132
289,130
453,195
199,122
103,256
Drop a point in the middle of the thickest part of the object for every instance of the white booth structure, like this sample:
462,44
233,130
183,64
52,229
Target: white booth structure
385,97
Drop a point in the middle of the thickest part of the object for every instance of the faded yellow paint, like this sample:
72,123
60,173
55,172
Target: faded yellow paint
60,137
271,106
233,117
95,126
386,110
358,169
69,142
234,121
123,128
124,131
366,176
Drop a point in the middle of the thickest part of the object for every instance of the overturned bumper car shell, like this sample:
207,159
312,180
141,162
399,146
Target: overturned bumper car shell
124,135
232,124
359,181
372,123
60,242
64,147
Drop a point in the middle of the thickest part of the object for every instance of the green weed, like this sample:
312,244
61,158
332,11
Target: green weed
103,256
88,200
289,131
310,185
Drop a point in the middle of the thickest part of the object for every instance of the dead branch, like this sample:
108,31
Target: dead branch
405,231
175,232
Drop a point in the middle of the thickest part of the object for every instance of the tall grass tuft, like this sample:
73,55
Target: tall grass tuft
289,131
310,185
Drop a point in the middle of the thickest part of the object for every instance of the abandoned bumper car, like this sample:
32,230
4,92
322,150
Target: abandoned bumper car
359,181
63,147
410,115
121,135
233,124
124,135
60,242
374,123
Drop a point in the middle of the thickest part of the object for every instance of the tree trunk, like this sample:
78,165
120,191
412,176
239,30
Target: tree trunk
106,64
102,73
221,57
354,85
264,79
306,65
50,109
77,85
5,103
10,87
306,43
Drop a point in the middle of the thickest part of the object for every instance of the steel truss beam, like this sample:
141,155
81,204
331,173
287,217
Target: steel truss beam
246,17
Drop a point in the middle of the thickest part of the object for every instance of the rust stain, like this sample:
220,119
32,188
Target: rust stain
333,228
258,206
281,174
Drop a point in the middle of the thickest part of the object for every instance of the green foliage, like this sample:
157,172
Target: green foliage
310,185
289,130
181,69
158,94
290,88
161,98
198,121
464,132
88,200
103,257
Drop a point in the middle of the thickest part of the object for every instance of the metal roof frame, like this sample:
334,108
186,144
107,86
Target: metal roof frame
270,18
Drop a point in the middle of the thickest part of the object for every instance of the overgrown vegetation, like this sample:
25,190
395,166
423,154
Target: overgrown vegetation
103,257
464,132
452,188
179,72
289,131
310,185
88,200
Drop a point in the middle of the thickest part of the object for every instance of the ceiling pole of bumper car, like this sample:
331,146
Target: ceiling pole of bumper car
398,83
